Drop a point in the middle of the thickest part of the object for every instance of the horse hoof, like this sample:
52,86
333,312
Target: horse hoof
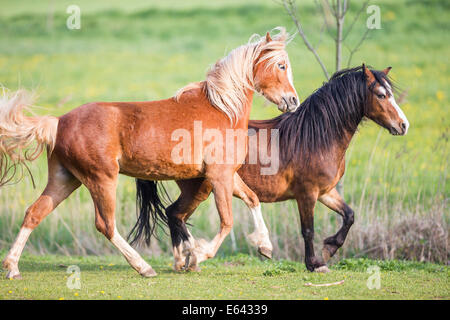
266,252
178,267
13,275
148,273
322,269
194,268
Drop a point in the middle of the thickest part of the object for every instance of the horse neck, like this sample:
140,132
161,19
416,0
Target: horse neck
340,147
247,107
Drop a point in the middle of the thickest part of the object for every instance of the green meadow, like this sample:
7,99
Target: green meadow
240,277
135,50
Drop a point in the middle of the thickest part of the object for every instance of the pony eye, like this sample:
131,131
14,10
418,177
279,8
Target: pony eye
381,96
281,66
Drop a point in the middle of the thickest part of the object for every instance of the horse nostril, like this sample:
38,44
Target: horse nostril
403,126
294,101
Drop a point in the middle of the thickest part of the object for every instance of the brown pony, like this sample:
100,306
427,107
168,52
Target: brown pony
95,142
311,148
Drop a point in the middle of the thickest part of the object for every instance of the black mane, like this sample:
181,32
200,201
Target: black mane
325,116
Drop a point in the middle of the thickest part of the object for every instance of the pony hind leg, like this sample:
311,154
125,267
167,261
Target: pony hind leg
61,183
103,192
334,201
193,192
260,237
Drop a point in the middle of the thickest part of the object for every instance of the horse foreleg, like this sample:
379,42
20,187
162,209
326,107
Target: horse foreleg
334,201
259,237
306,204
223,195
103,192
60,185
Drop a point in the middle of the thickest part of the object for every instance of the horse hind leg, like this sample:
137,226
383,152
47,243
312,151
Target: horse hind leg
103,192
61,183
259,237
193,192
181,242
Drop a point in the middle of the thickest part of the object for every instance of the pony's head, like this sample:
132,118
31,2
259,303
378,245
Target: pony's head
272,72
381,106
261,65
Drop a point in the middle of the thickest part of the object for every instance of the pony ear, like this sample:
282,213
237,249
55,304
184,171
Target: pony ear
386,71
268,38
369,75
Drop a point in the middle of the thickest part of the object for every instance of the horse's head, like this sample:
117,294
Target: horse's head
381,106
272,73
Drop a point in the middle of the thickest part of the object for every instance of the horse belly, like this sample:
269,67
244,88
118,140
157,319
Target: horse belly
159,169
268,188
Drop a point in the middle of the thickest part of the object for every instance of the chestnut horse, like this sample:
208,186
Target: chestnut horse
95,142
312,145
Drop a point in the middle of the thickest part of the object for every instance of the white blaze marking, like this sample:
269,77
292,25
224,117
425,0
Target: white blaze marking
381,90
291,82
397,108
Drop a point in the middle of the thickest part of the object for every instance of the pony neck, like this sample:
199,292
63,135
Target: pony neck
340,146
246,109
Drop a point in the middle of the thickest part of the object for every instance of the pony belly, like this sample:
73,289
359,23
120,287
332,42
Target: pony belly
162,171
269,189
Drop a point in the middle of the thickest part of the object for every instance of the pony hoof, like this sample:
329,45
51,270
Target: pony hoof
13,275
322,269
194,268
178,267
148,273
266,252
186,261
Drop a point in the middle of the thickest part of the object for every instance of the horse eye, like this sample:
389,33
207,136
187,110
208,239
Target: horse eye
281,66
381,96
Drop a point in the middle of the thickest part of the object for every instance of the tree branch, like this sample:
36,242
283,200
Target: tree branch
353,51
356,19
291,9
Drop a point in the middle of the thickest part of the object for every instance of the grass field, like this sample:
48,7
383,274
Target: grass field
240,277
135,50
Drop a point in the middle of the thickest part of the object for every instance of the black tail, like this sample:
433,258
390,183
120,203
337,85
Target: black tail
151,211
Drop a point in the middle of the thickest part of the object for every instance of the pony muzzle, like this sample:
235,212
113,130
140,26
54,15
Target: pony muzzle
289,103
399,129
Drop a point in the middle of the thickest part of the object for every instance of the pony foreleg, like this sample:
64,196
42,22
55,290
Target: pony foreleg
306,204
259,237
103,192
334,201
133,258
223,195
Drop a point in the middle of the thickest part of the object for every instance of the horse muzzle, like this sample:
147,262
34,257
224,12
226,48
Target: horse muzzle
399,129
289,103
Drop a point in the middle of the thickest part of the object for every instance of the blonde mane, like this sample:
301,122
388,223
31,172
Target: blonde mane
229,78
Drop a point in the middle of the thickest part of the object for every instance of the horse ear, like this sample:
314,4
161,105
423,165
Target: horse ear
268,38
369,75
386,71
